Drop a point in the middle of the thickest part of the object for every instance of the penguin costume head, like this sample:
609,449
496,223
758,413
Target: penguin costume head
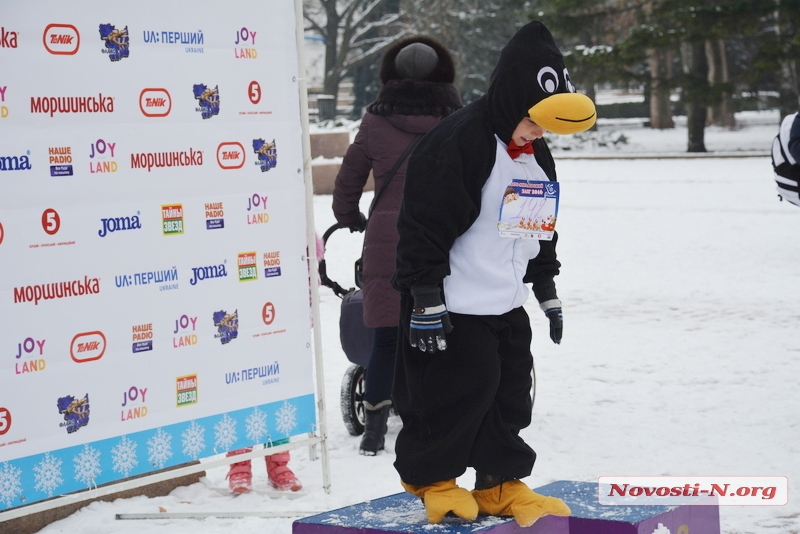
531,80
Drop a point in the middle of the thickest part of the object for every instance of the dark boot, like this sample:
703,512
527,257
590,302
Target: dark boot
374,430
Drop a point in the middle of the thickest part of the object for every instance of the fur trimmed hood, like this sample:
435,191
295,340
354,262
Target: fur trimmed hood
432,94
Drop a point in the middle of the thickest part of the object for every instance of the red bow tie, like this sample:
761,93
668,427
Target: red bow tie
514,151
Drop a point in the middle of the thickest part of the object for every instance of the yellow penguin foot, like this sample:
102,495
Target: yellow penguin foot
514,498
442,497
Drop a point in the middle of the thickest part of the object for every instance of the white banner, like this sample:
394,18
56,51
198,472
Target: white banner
154,284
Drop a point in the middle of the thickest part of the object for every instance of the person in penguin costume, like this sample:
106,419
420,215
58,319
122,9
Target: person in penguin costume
463,372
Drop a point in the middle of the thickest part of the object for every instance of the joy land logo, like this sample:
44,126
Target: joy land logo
155,102
182,338
230,155
31,351
61,39
87,346
103,151
245,45
3,107
133,399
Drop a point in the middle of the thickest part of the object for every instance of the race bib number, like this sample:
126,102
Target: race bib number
529,210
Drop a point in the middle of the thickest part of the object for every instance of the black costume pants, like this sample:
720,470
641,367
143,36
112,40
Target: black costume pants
464,407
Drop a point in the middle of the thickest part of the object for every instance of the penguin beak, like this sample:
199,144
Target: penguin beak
564,113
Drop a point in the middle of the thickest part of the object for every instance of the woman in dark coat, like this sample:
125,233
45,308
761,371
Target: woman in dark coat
417,75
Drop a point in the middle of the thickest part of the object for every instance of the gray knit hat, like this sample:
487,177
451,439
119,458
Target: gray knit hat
416,61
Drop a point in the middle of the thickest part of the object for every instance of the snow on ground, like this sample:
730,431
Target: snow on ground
681,291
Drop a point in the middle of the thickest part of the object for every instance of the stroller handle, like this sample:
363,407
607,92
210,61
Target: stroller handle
323,269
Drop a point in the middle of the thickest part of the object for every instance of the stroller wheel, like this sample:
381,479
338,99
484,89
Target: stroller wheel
352,399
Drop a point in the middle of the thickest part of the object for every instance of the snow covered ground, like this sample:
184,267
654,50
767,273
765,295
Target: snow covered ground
681,353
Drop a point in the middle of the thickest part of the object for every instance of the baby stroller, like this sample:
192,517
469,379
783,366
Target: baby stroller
356,340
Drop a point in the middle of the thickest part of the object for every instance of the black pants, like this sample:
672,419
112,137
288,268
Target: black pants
380,369
464,407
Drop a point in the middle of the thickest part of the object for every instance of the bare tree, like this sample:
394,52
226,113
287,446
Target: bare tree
348,28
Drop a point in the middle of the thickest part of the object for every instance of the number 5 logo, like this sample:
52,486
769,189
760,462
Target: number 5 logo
5,421
51,222
268,313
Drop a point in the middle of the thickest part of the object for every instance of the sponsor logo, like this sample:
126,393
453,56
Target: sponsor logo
61,39
149,277
208,100
87,346
57,290
2,233
212,271
5,420
227,326
155,102
272,264
142,337
267,154
172,219
31,352
254,92
176,38
257,205
51,222
245,45
16,163
75,411
186,389
60,160
214,215
118,224
181,328
103,151
248,267
268,374
230,155
133,399
8,39
268,313
72,104
148,160
116,41
3,108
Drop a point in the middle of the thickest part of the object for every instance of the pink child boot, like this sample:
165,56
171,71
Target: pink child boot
240,475
280,476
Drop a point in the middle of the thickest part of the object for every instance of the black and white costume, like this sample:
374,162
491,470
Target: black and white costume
786,159
464,406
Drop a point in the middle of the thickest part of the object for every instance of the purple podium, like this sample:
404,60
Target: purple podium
404,513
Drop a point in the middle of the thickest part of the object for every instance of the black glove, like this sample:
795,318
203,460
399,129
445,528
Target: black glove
552,309
359,226
429,320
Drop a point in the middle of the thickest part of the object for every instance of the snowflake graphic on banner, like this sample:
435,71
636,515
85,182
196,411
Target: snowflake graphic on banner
159,448
193,440
225,433
123,456
286,418
87,465
256,425
47,474
10,485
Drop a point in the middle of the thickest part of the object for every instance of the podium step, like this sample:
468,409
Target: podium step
404,513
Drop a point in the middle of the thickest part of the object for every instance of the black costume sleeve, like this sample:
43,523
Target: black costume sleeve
544,267
441,196
794,139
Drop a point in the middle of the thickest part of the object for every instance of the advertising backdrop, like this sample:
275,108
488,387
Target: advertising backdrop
154,284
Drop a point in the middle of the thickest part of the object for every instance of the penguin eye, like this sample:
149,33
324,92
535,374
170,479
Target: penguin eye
548,79
569,82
